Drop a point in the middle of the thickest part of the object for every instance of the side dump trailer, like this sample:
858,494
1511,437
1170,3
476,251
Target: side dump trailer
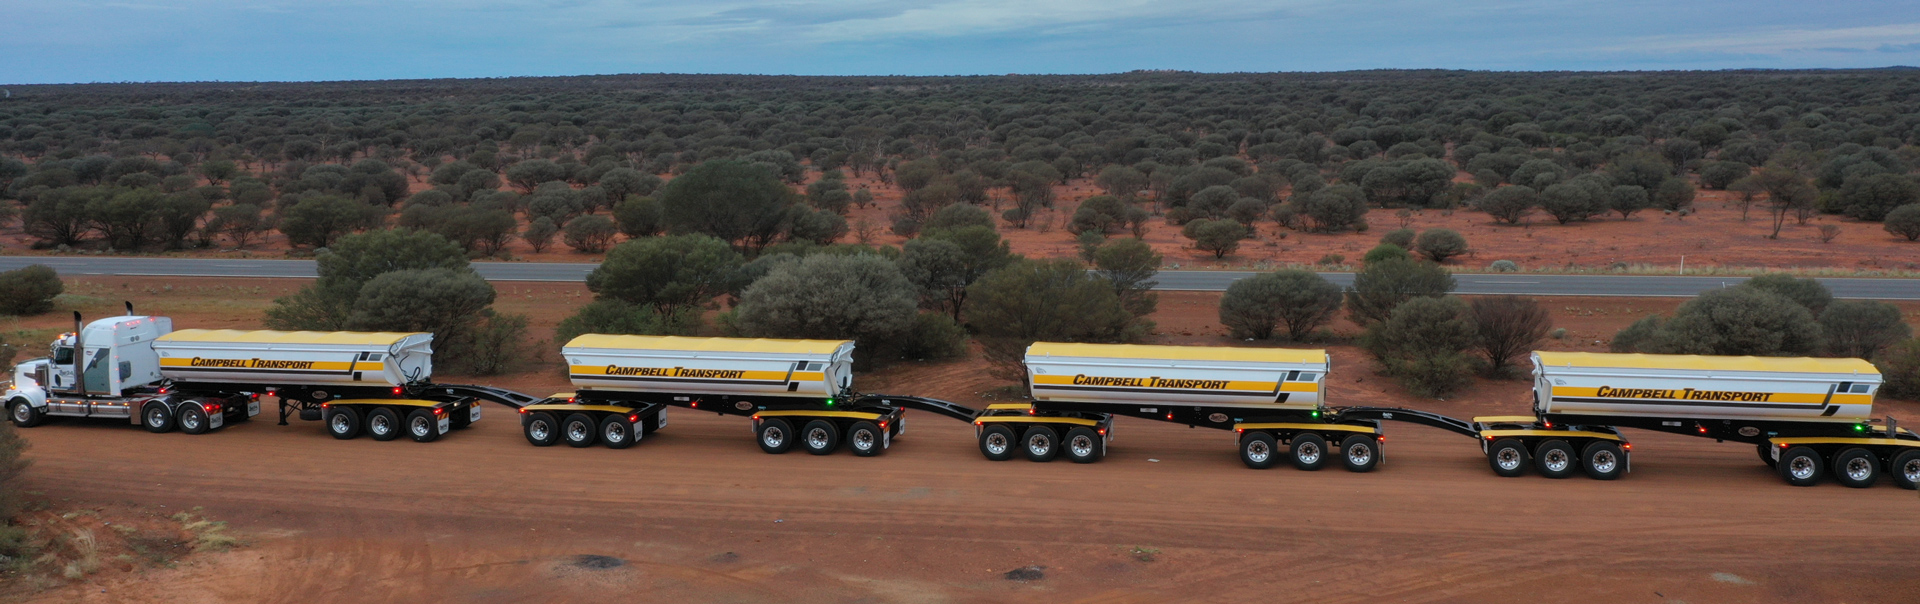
1268,396
1804,415
288,358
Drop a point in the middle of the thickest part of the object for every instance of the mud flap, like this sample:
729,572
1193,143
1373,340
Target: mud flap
253,408
474,415
214,420
446,425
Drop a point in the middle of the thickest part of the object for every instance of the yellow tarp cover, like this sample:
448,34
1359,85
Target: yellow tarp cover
350,338
1706,363
1178,353
760,345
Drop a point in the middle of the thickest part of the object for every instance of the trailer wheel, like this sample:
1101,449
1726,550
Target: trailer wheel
343,422
864,439
1309,451
1083,445
383,424
1554,459
1040,443
1359,453
996,442
1766,454
1508,456
1259,450
1856,467
775,436
578,430
193,419
1603,460
156,417
542,430
423,426
1800,466
1905,469
820,437
24,415
616,432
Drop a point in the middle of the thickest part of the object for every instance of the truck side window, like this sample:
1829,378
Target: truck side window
63,355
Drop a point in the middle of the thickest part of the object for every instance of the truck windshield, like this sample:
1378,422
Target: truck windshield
63,355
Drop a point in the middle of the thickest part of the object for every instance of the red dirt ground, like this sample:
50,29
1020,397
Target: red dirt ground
698,514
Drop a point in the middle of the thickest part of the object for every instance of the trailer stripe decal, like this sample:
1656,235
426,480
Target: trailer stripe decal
1680,403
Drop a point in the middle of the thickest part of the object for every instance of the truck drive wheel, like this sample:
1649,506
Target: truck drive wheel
1309,451
193,419
1083,445
423,426
23,414
1359,453
343,422
1554,459
1800,466
383,424
1040,444
542,430
1259,450
820,437
1603,460
1856,467
1508,456
616,432
865,439
1905,469
996,442
776,436
156,417
578,430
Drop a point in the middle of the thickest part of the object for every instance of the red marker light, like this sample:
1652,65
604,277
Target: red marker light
1381,438
633,418
1626,446
396,391
439,411
1239,430
1103,431
326,405
523,410
1703,429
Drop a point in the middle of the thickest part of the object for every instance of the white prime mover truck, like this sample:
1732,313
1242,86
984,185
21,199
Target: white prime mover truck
137,368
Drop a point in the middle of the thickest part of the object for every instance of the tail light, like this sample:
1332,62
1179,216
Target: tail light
1103,431
326,405
1626,446
523,410
633,418
440,411
1381,438
397,391
883,425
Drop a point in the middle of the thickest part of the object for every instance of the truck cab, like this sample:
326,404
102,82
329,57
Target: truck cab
108,369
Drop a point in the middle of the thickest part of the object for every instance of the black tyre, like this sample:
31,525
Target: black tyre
193,419
1856,467
1359,453
865,439
1800,466
156,417
383,424
1555,459
1508,456
1040,443
996,442
343,423
423,426
618,433
1083,445
1309,451
23,414
820,437
1766,454
1905,469
579,430
775,435
1259,450
1603,460
542,429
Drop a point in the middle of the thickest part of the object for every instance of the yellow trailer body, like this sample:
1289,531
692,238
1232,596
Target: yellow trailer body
731,366
296,358
1271,378
1704,387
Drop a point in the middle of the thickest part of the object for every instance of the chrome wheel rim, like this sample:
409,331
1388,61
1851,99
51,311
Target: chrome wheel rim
1911,470
1508,458
773,437
21,412
190,421
1081,446
817,438
1860,469
1604,462
380,425
1308,453
539,430
616,433
421,426
156,417
1039,444
1801,467
1258,451
1557,460
997,444
577,431
340,424
1360,454
863,440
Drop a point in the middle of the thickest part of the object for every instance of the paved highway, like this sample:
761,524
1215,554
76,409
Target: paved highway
1518,283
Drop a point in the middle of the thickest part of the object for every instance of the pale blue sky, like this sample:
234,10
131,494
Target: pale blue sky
50,41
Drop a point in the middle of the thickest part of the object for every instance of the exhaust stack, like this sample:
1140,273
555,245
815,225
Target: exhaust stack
79,356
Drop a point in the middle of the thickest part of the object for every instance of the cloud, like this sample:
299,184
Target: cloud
1778,40
1899,47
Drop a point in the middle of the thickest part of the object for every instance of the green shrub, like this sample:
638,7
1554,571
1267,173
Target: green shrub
1900,369
1299,300
619,317
1400,238
1862,328
1052,300
1382,286
1422,345
1735,321
1440,244
29,290
932,337
1385,252
1221,237
1904,221
1503,266
12,463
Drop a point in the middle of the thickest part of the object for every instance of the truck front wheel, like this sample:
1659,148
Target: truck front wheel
24,415
156,417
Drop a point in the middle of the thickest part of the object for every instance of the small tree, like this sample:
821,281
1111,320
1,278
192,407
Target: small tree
1422,344
638,217
1508,204
29,290
666,272
1335,208
539,234
616,316
1382,286
1899,366
740,202
1440,244
318,220
1507,327
1052,300
1806,292
1675,193
446,302
1221,237
1871,196
1627,199
240,222
1130,264
1787,192
589,233
1299,300
1385,252
958,216
826,296
1862,328
1736,321
1904,221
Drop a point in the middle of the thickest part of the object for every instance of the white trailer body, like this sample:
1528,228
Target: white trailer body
1124,374
296,358
717,366
1704,387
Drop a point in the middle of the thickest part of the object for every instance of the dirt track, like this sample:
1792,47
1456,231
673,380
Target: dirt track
700,515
